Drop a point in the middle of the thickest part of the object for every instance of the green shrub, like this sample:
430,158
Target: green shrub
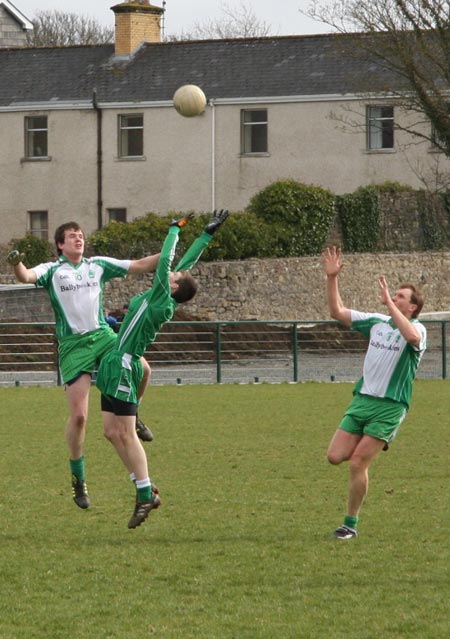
300,216
241,237
392,187
131,240
359,219
433,236
35,249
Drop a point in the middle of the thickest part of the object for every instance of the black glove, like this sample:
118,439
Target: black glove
183,221
218,218
14,258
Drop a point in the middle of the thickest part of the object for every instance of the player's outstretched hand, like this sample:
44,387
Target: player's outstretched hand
218,218
384,289
14,258
332,260
183,221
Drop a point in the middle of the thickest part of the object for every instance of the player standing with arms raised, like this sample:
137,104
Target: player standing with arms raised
382,396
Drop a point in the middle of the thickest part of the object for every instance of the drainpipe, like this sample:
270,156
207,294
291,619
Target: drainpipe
213,154
99,160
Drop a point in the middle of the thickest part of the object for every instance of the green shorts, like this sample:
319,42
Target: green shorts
82,353
374,416
119,376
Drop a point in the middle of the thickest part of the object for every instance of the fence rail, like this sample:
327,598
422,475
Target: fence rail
223,352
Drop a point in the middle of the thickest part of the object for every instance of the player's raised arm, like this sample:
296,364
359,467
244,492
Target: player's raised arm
144,265
22,273
333,263
401,309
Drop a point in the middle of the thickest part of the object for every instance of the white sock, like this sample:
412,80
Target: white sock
143,483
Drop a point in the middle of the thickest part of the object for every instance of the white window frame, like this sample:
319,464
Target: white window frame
31,133
126,130
378,126
39,229
250,128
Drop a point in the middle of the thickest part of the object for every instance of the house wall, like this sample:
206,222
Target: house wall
11,33
176,174
65,185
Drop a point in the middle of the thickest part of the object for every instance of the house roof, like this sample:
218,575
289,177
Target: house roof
290,67
17,15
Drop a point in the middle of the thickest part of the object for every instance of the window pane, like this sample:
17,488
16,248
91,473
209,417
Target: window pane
133,142
117,215
259,138
255,116
38,122
132,121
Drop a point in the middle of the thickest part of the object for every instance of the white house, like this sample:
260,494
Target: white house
13,25
89,133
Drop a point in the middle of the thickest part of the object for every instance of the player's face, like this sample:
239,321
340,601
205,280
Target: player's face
402,300
174,278
73,246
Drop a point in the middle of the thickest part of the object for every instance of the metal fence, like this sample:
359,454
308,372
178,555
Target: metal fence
223,352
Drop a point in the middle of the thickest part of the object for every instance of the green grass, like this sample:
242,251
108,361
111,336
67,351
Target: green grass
242,547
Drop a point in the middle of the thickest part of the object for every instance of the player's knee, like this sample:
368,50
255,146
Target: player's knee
334,458
78,420
358,463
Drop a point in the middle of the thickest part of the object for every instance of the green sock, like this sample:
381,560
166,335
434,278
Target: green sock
143,490
77,467
351,522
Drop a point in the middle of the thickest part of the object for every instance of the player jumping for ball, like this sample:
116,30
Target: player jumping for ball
383,394
120,371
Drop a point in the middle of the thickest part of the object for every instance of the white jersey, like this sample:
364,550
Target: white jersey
391,362
76,291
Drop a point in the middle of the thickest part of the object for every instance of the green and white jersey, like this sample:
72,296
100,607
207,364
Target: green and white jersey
149,310
120,371
76,291
391,362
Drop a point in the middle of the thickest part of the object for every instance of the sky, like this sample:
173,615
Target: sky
283,16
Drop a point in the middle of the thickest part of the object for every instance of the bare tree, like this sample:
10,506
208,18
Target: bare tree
410,41
237,21
61,29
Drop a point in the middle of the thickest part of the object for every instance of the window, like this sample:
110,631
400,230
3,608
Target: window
254,131
380,127
38,224
131,136
117,215
36,137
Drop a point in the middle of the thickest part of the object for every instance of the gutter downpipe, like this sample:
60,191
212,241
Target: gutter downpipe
99,160
213,154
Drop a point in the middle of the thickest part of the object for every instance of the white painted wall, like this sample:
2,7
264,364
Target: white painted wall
176,174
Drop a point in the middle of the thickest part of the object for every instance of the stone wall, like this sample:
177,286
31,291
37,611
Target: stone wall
271,289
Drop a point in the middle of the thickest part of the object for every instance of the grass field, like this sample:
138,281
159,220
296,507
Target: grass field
242,546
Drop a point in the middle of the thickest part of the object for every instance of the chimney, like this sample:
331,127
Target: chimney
137,21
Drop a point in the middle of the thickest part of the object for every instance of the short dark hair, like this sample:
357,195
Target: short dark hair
187,288
61,231
416,297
